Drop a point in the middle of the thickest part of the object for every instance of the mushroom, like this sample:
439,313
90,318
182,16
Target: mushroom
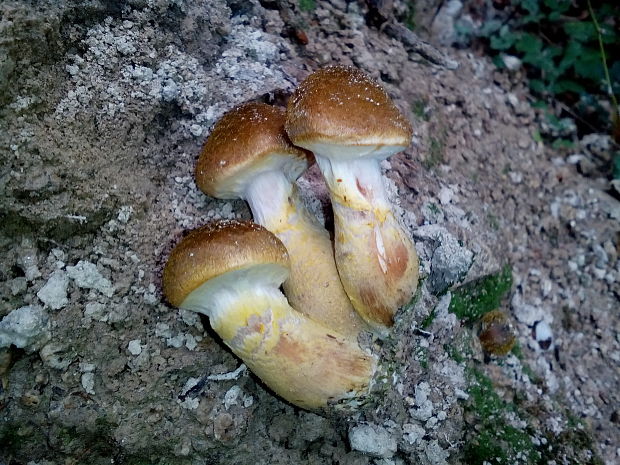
497,335
350,124
249,156
231,271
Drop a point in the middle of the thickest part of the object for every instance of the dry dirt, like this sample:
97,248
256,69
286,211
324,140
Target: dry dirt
104,108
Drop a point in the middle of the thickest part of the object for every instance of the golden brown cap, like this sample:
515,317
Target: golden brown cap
246,141
342,105
215,249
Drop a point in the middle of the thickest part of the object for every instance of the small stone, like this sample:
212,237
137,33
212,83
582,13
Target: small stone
232,396
55,356
424,409
511,62
28,262
88,382
543,334
18,285
373,440
87,276
134,347
170,91
413,433
96,311
25,328
54,293
196,130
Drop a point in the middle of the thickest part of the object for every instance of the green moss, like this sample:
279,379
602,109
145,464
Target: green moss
472,300
454,353
307,5
421,354
433,208
494,440
436,150
418,107
493,221
428,319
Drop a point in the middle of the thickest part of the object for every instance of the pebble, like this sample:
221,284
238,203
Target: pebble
87,276
543,334
373,440
54,293
26,328
134,347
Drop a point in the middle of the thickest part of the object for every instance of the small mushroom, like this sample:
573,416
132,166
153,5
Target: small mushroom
231,271
249,156
350,124
497,335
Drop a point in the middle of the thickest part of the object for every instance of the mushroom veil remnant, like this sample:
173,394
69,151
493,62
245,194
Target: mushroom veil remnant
231,271
350,124
249,156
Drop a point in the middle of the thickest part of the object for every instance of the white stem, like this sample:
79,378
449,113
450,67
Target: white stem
355,183
268,196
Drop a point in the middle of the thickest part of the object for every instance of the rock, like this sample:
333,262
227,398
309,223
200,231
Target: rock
372,440
56,356
25,328
28,262
86,275
543,334
88,382
54,293
134,347
424,406
511,62
450,263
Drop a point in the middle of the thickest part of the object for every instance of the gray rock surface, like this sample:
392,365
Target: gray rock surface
104,107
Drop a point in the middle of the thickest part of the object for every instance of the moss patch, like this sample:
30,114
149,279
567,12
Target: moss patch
472,300
494,440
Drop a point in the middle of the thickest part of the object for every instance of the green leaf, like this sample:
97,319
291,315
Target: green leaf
571,55
558,6
589,65
529,44
533,8
616,166
504,41
566,85
490,27
537,85
563,144
582,31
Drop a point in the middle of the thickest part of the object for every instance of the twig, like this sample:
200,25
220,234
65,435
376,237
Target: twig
610,90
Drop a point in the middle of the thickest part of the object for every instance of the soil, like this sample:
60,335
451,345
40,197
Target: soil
105,106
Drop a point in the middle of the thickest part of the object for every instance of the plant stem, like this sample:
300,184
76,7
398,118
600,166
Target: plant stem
604,59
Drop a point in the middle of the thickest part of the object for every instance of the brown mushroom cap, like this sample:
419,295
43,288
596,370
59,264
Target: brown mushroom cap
342,105
247,141
216,249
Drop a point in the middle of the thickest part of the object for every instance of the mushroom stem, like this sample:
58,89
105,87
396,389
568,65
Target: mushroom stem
314,286
299,359
376,259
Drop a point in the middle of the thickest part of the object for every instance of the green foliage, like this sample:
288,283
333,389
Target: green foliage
436,150
616,166
569,56
307,5
495,440
472,300
428,320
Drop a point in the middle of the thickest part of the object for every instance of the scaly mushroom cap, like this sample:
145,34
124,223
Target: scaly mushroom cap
216,249
247,141
342,105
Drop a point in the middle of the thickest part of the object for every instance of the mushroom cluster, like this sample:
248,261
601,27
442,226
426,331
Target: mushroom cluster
303,343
